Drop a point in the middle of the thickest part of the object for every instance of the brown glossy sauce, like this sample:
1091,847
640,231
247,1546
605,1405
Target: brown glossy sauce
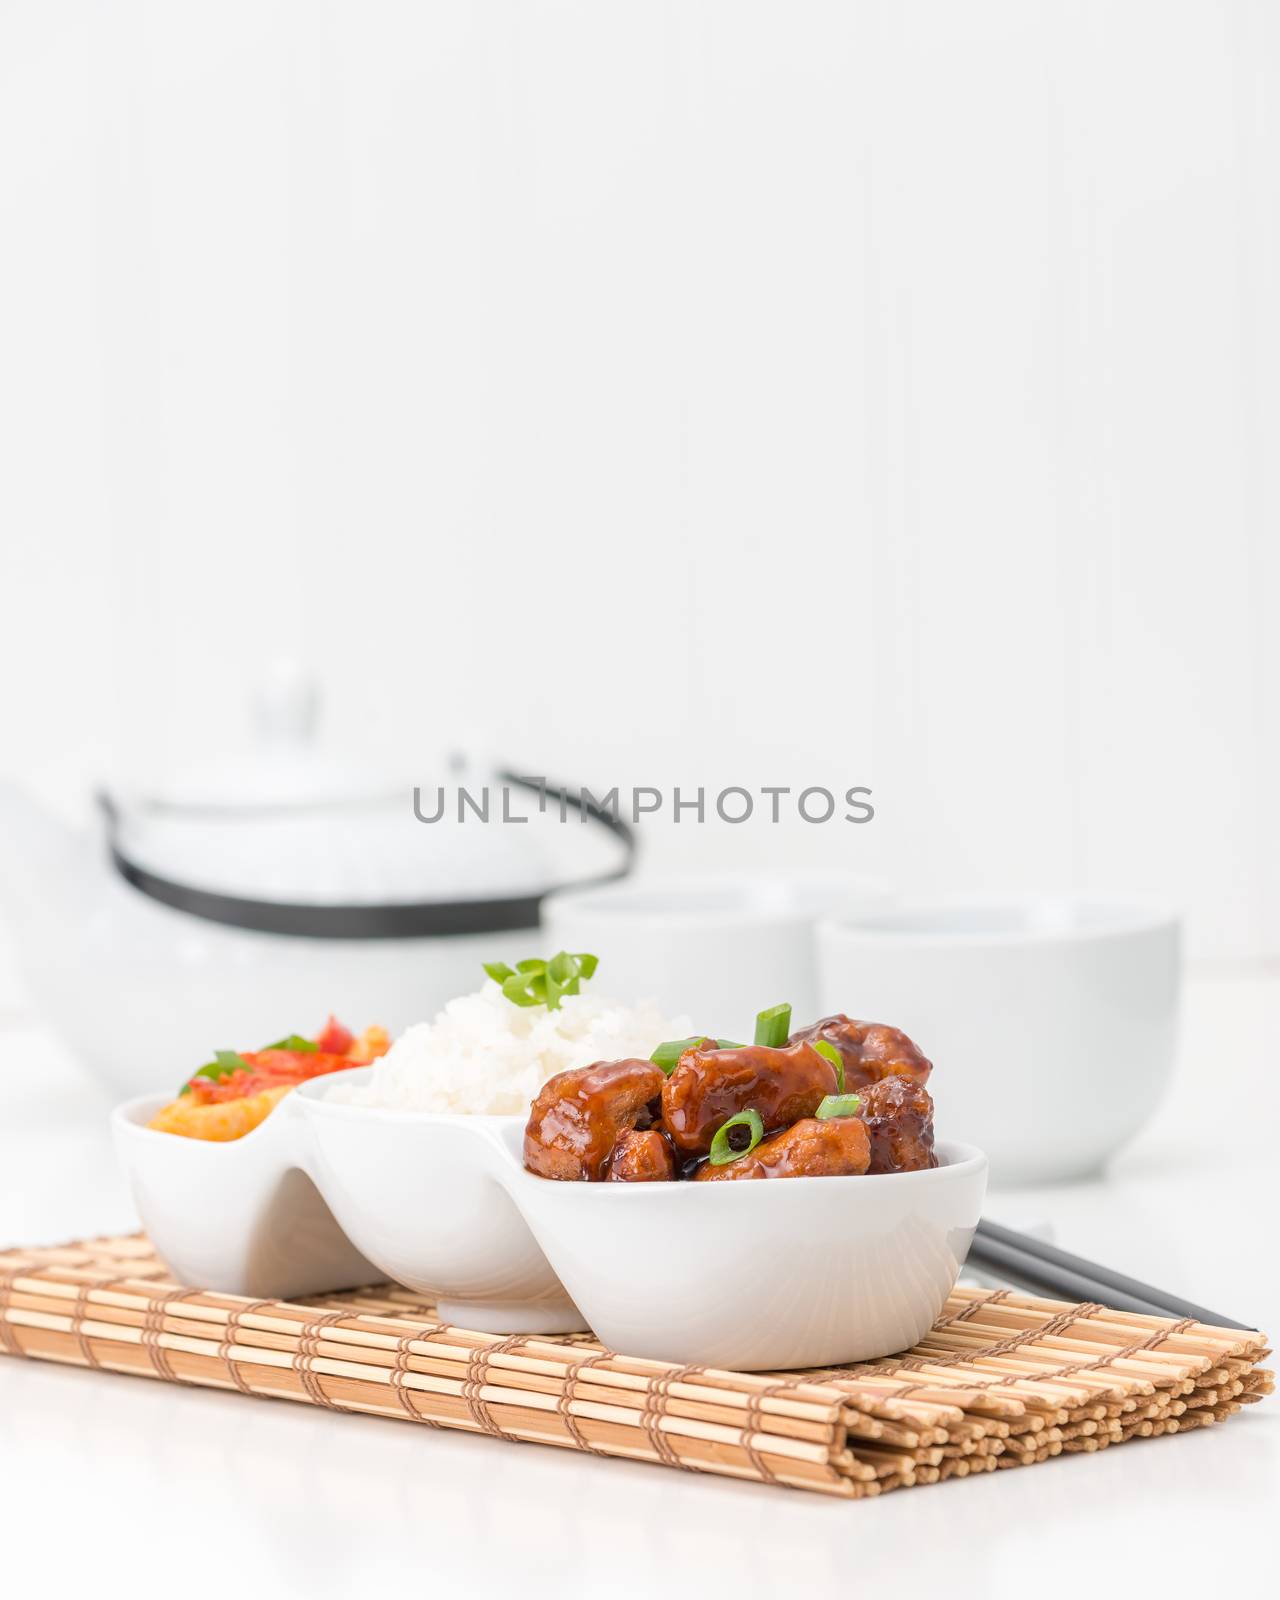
578,1116
710,1086
642,1156
899,1117
870,1051
625,1122
833,1148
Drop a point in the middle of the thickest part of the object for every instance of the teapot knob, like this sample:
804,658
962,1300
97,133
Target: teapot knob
287,703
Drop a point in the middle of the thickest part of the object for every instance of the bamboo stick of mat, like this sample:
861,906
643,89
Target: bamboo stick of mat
1001,1380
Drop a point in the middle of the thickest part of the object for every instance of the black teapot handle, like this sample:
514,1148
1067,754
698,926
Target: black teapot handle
392,920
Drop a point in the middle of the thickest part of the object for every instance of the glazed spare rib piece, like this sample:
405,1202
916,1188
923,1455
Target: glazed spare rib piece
578,1117
898,1113
708,1087
871,1051
836,1147
642,1156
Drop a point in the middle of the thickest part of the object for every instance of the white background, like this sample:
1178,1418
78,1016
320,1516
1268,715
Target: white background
707,391
663,391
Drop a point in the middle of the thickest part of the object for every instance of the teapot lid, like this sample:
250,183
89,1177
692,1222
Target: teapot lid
284,764
291,838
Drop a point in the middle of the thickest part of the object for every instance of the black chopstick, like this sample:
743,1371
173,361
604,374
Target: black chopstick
1046,1270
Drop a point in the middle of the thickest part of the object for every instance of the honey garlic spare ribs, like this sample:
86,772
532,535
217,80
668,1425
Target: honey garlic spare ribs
841,1098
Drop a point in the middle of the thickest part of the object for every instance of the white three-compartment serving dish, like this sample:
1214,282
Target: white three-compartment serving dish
325,1195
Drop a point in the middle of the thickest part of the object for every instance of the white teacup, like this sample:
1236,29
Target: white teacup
1051,1022
714,949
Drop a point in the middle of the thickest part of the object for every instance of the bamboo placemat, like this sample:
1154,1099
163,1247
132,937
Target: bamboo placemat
1002,1380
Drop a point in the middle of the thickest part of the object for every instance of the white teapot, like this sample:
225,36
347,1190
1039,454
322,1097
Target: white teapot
238,903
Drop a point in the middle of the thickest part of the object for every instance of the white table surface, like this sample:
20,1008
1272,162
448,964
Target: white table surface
152,1480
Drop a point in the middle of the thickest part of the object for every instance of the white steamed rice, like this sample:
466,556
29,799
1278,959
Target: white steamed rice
483,1053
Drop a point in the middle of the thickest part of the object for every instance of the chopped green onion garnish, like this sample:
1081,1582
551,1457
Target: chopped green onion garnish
542,983
729,1145
524,990
562,967
828,1052
667,1055
838,1105
295,1041
561,978
773,1026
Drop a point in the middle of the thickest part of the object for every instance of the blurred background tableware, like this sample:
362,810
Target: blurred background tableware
264,887
1051,1021
714,948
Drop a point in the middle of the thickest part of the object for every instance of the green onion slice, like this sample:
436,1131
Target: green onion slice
773,1026
295,1041
542,983
667,1055
828,1052
727,1147
838,1105
521,989
561,978
563,967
